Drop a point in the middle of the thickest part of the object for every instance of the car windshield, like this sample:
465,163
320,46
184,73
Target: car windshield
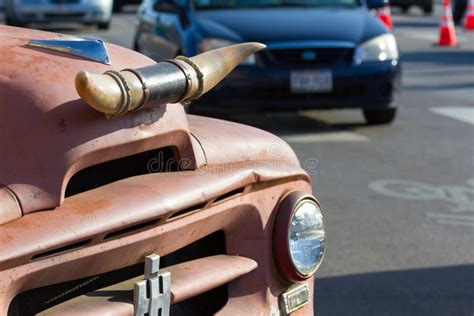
230,4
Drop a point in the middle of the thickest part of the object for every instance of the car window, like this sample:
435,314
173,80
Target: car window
229,4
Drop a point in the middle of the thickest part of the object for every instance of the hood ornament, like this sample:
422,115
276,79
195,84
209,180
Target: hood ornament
89,48
180,80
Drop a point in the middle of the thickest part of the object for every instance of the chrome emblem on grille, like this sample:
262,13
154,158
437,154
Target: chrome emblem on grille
309,55
152,296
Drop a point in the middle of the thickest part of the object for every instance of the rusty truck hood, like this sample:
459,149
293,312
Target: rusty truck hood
47,133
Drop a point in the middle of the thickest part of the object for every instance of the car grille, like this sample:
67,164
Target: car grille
341,91
307,57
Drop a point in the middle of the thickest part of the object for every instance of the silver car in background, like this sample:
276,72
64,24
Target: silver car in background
21,12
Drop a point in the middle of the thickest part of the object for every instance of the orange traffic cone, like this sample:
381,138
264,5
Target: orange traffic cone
447,33
469,22
385,16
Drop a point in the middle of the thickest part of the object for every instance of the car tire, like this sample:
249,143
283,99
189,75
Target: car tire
189,108
378,117
459,8
12,22
136,47
428,8
117,7
103,25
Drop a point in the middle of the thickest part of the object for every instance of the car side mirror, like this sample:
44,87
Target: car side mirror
168,6
376,4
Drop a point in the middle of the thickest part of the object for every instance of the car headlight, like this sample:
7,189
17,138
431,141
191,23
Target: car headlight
99,2
300,239
380,48
208,44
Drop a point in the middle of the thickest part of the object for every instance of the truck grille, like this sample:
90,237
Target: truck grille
307,57
34,301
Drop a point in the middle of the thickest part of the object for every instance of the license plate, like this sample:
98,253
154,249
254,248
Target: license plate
305,81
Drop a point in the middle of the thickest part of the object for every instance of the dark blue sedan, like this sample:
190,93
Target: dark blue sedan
320,53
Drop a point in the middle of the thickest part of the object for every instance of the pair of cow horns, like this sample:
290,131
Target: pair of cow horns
115,93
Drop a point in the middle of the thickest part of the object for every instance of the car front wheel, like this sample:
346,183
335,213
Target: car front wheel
404,9
459,8
428,8
12,21
377,117
103,25
117,6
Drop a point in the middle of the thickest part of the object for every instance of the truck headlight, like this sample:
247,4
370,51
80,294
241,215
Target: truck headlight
380,48
208,44
300,239
306,238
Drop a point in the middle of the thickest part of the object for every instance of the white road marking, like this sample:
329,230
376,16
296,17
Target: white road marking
424,35
459,198
460,113
326,137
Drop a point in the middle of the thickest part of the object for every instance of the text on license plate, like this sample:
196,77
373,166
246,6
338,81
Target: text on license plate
305,81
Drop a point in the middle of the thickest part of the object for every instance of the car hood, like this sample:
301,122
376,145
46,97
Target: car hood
270,25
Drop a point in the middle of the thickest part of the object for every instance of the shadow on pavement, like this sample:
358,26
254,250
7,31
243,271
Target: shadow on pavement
439,87
430,292
287,123
440,57
418,24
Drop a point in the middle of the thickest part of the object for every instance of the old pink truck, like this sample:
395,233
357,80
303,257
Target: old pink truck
148,211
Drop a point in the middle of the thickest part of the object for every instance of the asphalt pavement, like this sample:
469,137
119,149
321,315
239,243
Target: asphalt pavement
399,199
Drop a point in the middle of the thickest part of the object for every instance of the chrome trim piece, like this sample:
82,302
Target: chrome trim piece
89,48
311,44
152,296
294,298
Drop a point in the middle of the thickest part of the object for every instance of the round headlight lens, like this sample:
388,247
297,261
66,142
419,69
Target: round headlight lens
306,238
